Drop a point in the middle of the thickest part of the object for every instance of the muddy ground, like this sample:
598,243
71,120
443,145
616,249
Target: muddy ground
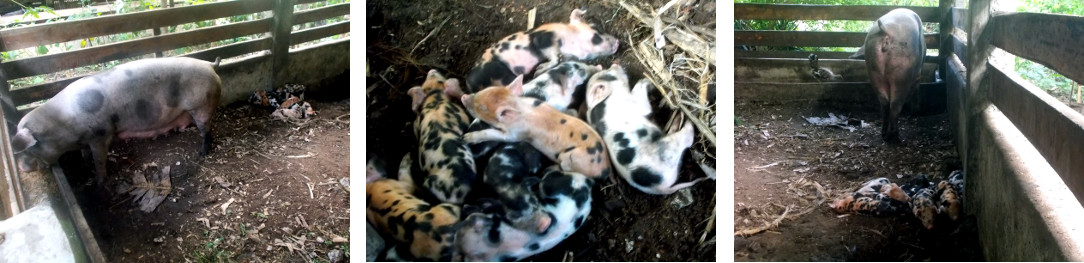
778,155
625,225
269,191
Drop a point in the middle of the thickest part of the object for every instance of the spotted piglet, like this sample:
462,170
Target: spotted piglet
563,86
509,173
646,159
565,197
427,230
543,46
566,140
442,154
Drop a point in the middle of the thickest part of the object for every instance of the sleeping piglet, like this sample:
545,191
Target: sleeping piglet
139,99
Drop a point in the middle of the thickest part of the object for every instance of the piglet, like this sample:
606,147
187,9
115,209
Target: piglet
566,199
646,159
563,86
427,229
509,173
442,154
566,140
543,46
139,99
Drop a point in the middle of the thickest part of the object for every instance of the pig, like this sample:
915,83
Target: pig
427,229
442,154
956,179
562,86
947,200
922,206
894,50
509,173
565,197
139,99
642,155
374,169
543,46
564,139
877,197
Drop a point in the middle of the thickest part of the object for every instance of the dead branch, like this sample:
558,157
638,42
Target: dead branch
431,33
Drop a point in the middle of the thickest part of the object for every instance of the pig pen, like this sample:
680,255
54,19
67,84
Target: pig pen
269,190
406,39
788,170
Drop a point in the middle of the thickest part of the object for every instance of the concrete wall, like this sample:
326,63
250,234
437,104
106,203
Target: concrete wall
307,66
1024,210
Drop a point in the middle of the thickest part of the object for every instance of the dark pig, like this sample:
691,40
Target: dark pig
139,99
509,173
543,46
893,51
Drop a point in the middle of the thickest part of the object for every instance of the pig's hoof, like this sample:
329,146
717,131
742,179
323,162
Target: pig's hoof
893,139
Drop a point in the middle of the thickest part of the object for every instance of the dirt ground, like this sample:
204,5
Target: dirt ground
269,191
625,224
779,156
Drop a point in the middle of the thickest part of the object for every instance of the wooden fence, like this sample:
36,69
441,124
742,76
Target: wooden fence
1019,145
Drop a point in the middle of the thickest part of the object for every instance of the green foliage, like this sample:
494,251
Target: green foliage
1053,7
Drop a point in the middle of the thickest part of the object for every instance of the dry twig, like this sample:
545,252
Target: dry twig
431,33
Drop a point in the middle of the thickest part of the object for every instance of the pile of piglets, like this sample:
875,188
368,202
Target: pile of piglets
506,163
920,197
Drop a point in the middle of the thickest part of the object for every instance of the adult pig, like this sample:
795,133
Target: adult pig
543,46
894,50
139,99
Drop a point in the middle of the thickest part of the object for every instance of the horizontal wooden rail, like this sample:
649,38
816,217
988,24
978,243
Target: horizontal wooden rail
959,47
41,91
1048,39
100,54
298,2
804,54
827,12
798,70
321,13
47,34
846,92
315,33
1049,125
232,50
810,38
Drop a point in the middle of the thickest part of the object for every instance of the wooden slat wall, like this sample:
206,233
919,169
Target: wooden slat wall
150,19
1050,126
798,70
826,12
1049,39
810,39
803,54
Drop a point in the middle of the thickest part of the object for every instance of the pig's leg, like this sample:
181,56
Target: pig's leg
488,135
202,118
674,188
639,96
892,133
99,150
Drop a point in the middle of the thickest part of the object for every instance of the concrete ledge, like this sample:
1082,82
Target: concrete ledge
307,66
1024,210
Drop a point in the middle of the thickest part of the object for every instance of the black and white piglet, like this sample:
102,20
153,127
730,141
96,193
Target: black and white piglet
565,197
543,46
509,172
646,159
562,86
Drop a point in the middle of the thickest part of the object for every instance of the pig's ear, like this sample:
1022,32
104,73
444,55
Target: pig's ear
452,89
576,17
23,140
570,82
506,114
516,87
418,96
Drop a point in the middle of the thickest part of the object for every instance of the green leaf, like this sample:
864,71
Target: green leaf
42,50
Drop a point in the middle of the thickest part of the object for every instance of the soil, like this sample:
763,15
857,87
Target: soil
778,155
625,224
268,191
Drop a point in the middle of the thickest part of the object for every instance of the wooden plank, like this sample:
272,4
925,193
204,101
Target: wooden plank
845,92
11,192
232,50
959,48
798,70
283,12
298,2
1046,122
810,38
100,54
321,13
804,54
315,33
1048,39
42,91
955,86
826,12
45,34
90,244
961,18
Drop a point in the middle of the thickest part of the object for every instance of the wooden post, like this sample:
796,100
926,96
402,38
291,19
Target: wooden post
157,30
283,13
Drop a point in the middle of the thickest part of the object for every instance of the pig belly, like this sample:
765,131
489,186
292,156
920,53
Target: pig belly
520,61
181,121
